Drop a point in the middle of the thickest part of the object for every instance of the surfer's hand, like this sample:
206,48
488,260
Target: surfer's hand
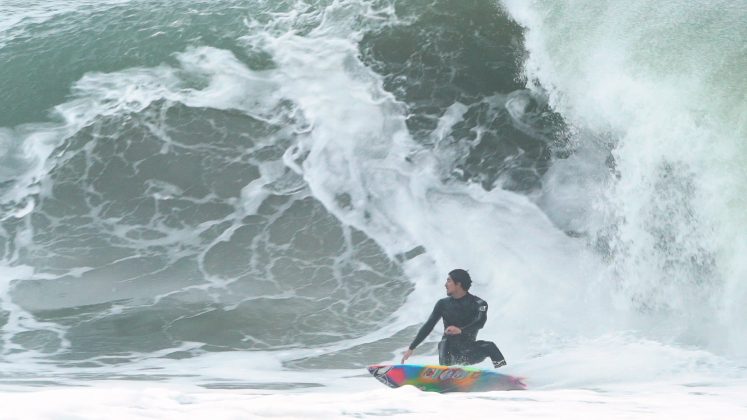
406,355
452,330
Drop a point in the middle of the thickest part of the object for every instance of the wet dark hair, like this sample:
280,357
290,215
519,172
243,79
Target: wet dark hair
462,277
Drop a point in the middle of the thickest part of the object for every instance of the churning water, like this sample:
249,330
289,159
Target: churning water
258,194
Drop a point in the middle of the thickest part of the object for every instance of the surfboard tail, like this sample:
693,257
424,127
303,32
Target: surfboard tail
519,382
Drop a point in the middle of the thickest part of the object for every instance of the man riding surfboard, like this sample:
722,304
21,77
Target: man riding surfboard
463,315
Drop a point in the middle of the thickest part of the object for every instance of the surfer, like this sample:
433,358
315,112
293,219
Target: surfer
463,315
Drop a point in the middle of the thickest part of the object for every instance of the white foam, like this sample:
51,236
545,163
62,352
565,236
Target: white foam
648,78
153,400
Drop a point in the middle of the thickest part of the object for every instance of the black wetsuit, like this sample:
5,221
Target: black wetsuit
469,314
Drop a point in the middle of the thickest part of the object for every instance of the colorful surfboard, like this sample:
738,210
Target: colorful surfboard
445,378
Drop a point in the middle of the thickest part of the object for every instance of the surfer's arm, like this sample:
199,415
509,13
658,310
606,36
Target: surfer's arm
428,326
479,321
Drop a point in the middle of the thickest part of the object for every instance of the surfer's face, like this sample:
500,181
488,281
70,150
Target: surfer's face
450,286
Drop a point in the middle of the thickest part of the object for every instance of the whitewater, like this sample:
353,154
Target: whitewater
230,208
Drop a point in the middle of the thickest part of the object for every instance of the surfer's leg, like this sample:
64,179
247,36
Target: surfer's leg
483,349
444,357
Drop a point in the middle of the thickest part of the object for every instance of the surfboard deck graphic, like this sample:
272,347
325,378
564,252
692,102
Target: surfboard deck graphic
438,378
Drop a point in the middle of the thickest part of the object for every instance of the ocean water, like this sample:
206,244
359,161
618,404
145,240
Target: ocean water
229,208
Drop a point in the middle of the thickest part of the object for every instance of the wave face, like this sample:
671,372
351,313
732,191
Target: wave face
296,179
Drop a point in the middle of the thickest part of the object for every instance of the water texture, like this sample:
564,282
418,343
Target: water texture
291,180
